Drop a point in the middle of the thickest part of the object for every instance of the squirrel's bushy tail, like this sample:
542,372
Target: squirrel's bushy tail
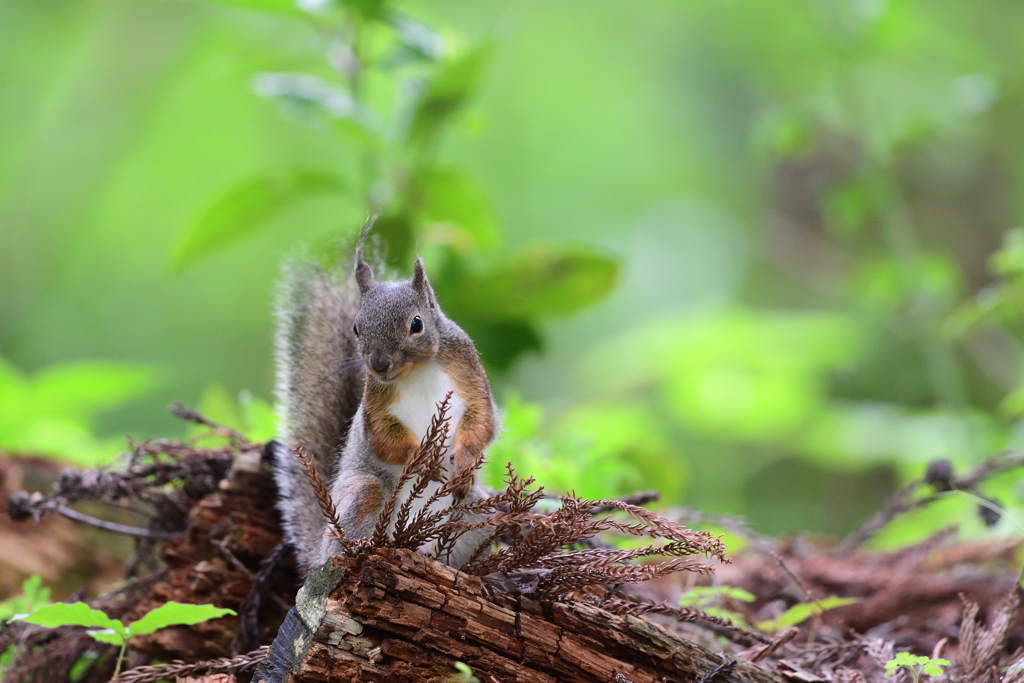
319,386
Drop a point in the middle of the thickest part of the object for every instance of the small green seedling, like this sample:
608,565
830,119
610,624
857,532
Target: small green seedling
34,595
706,599
916,665
113,631
464,675
802,611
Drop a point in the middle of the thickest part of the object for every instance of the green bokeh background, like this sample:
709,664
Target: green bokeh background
802,199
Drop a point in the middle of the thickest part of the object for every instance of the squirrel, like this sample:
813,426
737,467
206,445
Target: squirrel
361,368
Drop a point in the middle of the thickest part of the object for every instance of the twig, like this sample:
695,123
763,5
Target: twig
273,558
899,503
180,669
814,600
323,497
247,636
638,498
135,531
190,415
734,525
902,501
723,668
140,478
756,654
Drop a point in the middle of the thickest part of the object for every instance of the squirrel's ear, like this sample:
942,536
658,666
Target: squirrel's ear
421,284
364,274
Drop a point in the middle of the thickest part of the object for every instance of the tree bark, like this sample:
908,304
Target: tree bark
397,615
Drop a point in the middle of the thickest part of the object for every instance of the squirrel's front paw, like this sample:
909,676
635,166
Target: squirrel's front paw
461,490
463,474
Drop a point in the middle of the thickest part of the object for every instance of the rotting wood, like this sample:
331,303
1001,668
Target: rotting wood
397,615
230,531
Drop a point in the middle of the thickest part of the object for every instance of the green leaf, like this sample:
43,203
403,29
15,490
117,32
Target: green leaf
35,594
464,674
30,588
245,209
107,635
33,597
447,93
904,659
542,281
73,614
933,667
705,595
175,614
802,611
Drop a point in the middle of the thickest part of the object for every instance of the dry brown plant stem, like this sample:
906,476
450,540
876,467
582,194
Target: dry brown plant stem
323,497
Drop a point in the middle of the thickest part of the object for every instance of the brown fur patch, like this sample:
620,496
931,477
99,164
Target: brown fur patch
476,429
390,439
368,501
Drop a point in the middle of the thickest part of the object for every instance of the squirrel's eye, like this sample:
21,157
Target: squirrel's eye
355,329
417,326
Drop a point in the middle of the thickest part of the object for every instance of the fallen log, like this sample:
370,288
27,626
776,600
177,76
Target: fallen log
397,615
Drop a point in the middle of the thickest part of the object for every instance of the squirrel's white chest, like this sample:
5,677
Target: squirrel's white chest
418,396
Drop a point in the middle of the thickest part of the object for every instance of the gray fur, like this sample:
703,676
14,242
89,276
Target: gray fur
385,315
319,387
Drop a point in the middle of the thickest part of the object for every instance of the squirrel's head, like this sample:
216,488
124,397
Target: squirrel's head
397,322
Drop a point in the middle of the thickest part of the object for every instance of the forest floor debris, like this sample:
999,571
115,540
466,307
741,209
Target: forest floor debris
784,609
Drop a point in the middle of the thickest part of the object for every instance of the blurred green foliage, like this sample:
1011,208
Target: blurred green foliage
761,256
709,599
53,412
802,611
33,595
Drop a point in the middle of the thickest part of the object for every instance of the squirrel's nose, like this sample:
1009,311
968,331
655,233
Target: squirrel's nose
380,362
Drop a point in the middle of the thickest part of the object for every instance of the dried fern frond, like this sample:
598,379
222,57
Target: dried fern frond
881,651
651,524
423,526
545,546
428,465
576,558
562,580
572,524
980,647
433,440
323,497
683,614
